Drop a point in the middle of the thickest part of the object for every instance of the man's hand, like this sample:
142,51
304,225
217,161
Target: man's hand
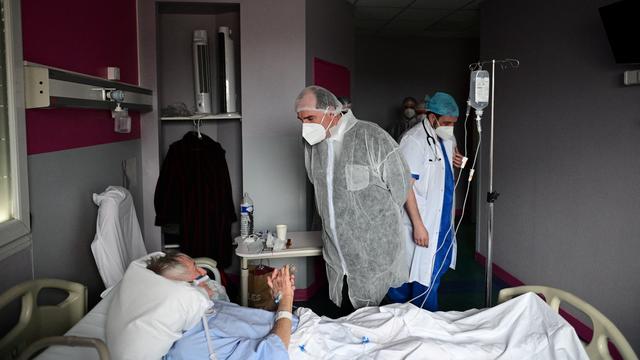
457,158
421,235
283,282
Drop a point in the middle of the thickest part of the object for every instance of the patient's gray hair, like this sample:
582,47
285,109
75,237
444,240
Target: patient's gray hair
168,265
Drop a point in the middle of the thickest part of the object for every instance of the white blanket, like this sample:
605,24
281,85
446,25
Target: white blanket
522,328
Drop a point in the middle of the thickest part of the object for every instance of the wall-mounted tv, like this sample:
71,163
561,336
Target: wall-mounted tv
621,22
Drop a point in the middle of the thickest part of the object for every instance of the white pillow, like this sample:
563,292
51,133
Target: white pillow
149,313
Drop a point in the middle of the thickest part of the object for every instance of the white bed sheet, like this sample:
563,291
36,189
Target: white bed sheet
91,325
522,328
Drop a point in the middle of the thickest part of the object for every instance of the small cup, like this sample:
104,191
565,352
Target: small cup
281,231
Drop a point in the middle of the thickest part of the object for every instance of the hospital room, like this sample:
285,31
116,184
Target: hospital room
319,179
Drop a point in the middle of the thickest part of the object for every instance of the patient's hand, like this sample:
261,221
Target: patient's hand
283,282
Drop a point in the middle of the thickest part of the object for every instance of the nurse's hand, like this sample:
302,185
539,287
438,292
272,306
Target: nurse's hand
457,158
421,235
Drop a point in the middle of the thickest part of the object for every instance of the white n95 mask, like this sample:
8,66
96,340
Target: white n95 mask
313,133
445,132
409,113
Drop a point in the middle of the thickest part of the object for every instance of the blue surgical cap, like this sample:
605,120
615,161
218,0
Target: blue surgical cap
443,104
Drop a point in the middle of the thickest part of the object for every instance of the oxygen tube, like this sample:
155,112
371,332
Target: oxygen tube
478,100
205,323
196,282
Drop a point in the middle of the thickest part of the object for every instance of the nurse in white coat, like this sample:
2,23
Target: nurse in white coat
429,148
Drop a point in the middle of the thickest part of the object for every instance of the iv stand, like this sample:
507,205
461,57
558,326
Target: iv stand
492,196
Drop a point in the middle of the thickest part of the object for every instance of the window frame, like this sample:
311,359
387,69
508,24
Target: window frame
20,226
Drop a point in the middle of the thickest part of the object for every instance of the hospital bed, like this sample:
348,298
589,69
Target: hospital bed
85,340
38,325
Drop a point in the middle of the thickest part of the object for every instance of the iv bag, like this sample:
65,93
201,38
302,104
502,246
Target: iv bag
479,89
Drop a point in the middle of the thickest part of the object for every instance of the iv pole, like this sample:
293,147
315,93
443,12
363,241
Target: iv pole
492,196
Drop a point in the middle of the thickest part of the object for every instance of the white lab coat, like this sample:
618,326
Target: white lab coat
429,192
118,239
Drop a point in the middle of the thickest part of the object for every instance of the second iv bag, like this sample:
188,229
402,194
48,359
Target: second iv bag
479,89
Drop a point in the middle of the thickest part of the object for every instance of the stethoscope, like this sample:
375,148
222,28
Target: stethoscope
431,141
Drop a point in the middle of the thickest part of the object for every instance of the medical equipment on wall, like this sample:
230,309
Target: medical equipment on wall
48,87
121,118
201,71
226,71
246,216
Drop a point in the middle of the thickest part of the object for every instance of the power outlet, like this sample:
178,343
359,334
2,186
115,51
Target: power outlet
632,77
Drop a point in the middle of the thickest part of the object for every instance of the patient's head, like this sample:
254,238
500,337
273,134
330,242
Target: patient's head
175,267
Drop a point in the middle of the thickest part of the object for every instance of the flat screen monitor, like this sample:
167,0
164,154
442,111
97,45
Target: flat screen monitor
621,21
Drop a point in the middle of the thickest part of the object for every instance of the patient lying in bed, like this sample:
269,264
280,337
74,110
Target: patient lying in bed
236,332
522,328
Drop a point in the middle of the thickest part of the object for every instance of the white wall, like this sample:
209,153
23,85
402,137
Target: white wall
273,72
566,141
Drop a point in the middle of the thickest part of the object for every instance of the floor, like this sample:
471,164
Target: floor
460,289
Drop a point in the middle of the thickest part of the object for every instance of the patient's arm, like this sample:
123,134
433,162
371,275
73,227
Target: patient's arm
281,281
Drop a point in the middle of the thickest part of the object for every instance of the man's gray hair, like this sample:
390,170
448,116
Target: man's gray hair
325,99
168,265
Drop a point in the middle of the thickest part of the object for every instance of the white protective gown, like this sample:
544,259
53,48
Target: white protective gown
361,182
118,239
428,187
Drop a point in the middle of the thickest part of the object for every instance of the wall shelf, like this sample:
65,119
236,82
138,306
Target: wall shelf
229,116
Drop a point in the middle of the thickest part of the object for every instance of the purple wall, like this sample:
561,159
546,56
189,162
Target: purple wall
86,37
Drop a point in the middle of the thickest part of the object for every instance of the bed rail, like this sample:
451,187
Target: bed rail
603,329
34,348
37,322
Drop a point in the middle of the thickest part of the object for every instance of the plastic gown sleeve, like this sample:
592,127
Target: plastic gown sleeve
395,173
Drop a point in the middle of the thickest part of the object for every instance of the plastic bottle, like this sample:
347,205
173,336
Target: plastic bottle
246,216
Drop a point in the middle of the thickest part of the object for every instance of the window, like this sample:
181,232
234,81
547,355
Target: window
5,158
14,200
